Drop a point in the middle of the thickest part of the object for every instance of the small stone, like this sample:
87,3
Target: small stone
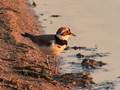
55,16
34,4
79,55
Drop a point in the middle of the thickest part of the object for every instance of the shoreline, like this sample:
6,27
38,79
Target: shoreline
93,25
21,63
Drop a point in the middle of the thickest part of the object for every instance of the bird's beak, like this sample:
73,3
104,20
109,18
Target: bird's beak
73,34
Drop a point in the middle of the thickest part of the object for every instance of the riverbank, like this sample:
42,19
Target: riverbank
22,65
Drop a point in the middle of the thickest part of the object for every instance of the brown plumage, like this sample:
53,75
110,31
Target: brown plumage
51,43
41,40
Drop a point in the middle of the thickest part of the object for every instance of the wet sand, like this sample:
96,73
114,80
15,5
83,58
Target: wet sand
96,23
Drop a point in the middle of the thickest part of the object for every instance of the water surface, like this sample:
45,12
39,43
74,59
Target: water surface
96,23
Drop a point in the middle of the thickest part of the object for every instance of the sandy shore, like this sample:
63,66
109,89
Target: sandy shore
21,65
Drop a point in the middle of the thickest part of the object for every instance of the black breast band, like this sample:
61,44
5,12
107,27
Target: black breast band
59,41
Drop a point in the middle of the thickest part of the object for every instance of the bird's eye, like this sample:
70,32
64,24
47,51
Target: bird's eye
67,31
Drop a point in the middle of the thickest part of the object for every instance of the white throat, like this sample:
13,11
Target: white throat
63,37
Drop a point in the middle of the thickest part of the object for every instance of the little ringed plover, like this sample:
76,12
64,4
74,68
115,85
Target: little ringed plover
52,44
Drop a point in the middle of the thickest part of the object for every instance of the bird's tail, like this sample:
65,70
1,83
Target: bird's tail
27,35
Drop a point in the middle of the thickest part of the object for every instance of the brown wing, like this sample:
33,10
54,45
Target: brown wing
43,40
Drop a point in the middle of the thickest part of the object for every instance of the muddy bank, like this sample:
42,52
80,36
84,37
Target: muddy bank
22,65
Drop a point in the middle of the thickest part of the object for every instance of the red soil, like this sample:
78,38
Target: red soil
20,60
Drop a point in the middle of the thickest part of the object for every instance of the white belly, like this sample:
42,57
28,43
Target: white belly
53,49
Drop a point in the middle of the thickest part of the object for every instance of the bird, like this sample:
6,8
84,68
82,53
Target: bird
52,44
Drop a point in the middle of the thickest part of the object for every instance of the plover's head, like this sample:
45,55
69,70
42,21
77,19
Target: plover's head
64,33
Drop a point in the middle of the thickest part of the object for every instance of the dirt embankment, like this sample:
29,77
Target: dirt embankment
22,65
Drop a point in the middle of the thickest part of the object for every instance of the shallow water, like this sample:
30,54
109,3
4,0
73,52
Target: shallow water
96,24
